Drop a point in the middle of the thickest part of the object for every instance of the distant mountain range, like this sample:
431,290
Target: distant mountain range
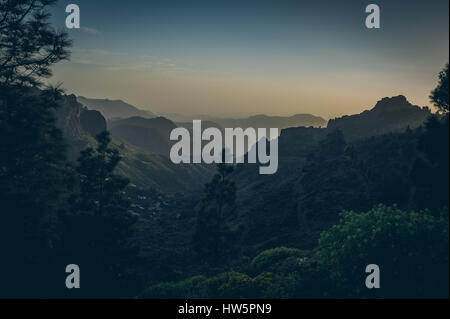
280,122
205,124
144,138
256,121
114,108
118,109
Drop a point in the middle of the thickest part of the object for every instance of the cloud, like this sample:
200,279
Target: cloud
97,52
91,31
143,66
122,61
81,61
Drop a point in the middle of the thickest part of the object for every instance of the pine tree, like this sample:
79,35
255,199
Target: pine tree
430,170
32,167
28,44
213,239
331,181
100,224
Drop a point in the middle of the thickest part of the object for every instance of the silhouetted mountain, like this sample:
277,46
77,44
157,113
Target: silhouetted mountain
152,135
205,125
111,109
255,121
176,117
389,115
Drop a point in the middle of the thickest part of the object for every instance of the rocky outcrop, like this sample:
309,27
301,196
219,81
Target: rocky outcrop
389,115
76,121
68,117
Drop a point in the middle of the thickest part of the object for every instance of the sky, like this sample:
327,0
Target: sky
240,58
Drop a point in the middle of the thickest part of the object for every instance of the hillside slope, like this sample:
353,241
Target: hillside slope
151,135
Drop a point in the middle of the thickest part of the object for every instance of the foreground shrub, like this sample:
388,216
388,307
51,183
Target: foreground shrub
411,249
187,288
192,287
271,259
244,286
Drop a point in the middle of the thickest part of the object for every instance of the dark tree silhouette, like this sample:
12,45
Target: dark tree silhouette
32,167
28,44
430,171
439,96
32,182
99,225
331,180
213,239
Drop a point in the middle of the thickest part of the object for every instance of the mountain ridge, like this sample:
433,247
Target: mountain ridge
390,114
111,109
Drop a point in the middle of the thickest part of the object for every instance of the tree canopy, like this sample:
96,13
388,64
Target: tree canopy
29,46
439,96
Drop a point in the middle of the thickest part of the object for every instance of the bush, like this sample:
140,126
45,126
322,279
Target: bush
187,288
224,285
244,286
411,249
192,287
283,286
270,259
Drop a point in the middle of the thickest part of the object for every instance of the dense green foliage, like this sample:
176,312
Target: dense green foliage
224,285
411,249
269,260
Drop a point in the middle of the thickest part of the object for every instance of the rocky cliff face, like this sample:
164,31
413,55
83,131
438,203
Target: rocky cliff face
68,117
389,115
75,119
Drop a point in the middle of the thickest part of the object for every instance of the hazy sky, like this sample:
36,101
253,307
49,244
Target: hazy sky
236,58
